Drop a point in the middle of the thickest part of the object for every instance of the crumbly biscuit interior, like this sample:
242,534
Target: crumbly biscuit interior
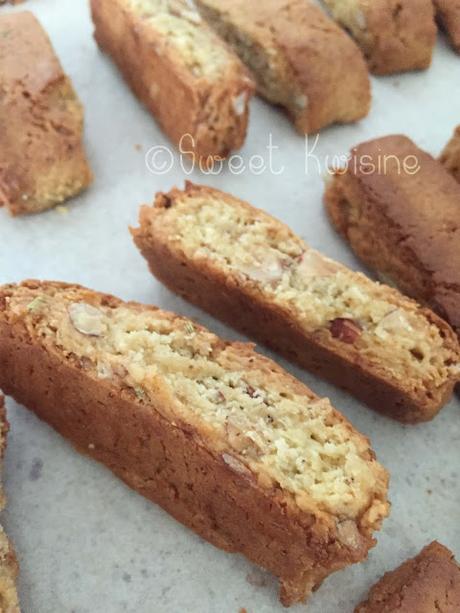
392,333
262,423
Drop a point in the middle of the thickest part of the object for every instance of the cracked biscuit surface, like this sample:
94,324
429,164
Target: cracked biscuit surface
221,437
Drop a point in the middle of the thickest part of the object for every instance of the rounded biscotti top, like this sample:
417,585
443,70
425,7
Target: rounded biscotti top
177,30
360,319
428,583
262,422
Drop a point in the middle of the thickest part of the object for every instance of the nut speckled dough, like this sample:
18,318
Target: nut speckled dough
9,602
428,583
221,437
402,220
448,12
450,157
193,84
42,161
253,272
395,36
300,58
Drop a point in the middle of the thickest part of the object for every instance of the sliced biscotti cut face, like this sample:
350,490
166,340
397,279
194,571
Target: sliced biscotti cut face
221,437
399,209
253,272
193,84
450,157
448,12
427,583
299,58
42,159
394,36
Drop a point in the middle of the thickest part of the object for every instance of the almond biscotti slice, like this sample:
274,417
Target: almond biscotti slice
448,12
253,272
42,161
428,583
9,602
395,36
221,437
400,210
450,157
300,58
194,85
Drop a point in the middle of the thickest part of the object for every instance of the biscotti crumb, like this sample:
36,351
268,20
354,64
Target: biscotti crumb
299,58
193,84
253,272
428,583
448,12
221,437
450,157
403,220
394,36
38,100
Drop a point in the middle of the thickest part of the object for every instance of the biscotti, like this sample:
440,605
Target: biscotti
9,602
194,85
448,12
221,437
395,36
428,583
251,271
42,161
450,157
400,209
300,58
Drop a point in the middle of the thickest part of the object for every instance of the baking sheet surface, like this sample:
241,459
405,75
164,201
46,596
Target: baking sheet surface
88,544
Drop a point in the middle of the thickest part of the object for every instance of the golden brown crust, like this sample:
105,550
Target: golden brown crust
428,583
203,116
450,157
395,36
228,298
168,462
38,100
448,12
404,224
299,57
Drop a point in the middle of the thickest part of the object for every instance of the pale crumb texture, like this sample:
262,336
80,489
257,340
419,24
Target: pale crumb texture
263,424
42,160
299,58
395,36
448,12
450,157
193,84
369,323
428,583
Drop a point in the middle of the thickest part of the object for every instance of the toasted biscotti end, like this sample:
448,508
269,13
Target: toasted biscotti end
448,13
299,58
38,101
193,84
394,36
399,208
250,270
428,583
450,157
9,569
221,437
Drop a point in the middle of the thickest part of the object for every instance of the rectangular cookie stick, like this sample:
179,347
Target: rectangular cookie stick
395,36
399,209
300,59
193,84
253,272
428,583
42,160
221,437
450,157
448,12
